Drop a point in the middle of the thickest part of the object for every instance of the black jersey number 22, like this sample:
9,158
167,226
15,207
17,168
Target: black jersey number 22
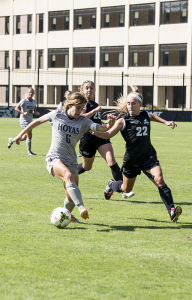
141,131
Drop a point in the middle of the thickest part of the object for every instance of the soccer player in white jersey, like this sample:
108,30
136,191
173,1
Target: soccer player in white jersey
140,155
61,161
26,107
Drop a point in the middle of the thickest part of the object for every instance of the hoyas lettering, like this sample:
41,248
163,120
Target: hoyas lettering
67,128
30,107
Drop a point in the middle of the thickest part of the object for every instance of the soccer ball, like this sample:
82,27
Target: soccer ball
60,217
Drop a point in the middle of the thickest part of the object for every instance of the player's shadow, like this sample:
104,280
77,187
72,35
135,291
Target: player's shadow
176,226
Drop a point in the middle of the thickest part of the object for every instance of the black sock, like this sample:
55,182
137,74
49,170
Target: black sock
116,172
81,169
116,186
166,196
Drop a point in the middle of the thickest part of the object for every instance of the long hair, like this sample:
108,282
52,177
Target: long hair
121,102
75,99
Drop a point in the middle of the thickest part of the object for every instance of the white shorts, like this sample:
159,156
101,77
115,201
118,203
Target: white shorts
49,161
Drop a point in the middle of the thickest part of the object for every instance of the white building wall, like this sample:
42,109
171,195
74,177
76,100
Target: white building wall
99,37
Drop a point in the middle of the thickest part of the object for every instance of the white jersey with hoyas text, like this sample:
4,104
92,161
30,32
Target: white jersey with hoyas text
26,106
66,132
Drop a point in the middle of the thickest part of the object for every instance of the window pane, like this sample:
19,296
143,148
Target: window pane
175,12
150,59
142,56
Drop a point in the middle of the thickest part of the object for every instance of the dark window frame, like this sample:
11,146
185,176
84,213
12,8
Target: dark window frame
6,25
139,49
41,19
61,16
165,51
29,19
113,53
18,24
139,8
6,55
109,11
60,53
17,62
81,51
28,59
83,13
165,18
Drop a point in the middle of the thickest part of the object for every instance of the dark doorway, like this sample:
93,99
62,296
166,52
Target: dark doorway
147,95
178,95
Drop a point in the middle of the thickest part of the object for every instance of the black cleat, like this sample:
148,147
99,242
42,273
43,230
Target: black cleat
176,213
108,191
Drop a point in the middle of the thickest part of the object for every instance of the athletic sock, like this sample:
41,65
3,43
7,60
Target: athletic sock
28,144
116,172
116,186
75,194
81,169
166,197
69,205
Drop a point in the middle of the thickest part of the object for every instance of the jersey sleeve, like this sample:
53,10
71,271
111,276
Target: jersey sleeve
51,115
124,125
21,103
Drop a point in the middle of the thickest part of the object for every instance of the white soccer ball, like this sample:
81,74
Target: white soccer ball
60,217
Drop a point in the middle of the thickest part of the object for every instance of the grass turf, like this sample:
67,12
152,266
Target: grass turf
128,249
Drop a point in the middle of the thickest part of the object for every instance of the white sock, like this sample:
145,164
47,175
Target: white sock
75,194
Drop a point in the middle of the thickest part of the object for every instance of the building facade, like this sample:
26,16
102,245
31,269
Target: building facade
54,45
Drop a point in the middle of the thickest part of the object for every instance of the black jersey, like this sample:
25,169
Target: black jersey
137,137
96,118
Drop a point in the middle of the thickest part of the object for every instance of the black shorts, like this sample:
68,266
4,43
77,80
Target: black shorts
133,171
88,148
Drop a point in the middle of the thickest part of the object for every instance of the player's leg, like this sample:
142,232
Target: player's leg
106,151
156,176
70,182
86,165
12,140
28,142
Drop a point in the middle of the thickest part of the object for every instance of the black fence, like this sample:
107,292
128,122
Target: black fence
180,116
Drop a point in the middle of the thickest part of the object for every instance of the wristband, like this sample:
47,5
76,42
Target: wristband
94,127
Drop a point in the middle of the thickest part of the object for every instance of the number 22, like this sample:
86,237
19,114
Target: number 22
141,131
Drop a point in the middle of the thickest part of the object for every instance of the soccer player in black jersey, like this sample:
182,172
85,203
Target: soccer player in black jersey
140,155
89,144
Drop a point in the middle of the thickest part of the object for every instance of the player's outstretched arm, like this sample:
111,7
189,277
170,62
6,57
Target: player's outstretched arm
112,132
106,126
32,125
160,120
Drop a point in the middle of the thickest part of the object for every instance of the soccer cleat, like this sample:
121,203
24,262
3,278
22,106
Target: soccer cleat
84,212
10,143
175,213
108,191
74,220
31,153
128,195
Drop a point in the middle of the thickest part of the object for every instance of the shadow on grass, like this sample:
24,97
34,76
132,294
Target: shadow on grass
176,226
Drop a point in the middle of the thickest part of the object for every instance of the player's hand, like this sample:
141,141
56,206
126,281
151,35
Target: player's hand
111,120
98,108
37,113
171,123
17,139
26,113
91,131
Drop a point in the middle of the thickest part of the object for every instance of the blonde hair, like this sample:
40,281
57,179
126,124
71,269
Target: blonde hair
121,102
84,82
30,88
75,99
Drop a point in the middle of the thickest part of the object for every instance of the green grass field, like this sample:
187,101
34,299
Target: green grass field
128,249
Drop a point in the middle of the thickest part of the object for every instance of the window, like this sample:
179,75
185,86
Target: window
40,23
83,57
58,58
173,55
6,25
28,59
17,24
29,24
59,20
112,56
18,94
174,12
39,59
113,16
142,14
6,59
17,59
85,18
141,56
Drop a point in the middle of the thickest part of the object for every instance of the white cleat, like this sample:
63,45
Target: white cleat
10,143
127,195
